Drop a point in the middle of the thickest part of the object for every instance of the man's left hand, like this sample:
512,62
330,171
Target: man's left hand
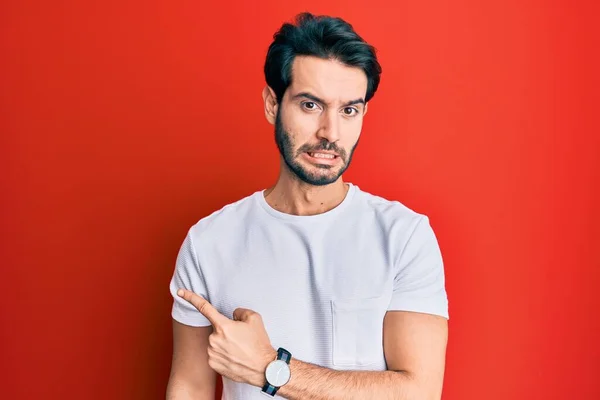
239,349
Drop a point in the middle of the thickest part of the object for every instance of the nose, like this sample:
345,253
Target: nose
329,128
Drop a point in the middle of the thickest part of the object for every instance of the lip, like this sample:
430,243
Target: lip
323,161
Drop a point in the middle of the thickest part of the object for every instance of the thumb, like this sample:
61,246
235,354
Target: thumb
245,315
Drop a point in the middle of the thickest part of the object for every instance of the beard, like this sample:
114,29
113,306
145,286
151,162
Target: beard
315,178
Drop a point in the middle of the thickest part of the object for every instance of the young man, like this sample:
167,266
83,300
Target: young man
313,288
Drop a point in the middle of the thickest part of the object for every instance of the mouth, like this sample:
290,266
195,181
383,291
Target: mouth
323,155
320,157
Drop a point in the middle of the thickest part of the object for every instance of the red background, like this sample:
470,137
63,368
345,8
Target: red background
124,122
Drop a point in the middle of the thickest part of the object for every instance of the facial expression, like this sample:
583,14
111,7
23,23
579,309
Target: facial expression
319,120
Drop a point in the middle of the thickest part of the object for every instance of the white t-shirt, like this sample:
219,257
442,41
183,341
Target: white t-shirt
321,283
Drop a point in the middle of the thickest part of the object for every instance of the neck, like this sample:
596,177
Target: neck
293,196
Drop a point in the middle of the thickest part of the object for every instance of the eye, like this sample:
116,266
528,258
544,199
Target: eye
350,111
310,105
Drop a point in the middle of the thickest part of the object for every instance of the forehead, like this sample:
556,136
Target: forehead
329,80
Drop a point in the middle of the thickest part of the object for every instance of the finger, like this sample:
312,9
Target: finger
215,317
244,314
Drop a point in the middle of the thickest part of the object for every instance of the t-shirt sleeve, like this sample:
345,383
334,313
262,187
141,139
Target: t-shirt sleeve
187,275
419,284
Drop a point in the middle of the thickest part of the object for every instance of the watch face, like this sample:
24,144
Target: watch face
278,373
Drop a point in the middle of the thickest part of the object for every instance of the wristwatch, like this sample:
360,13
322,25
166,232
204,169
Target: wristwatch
278,372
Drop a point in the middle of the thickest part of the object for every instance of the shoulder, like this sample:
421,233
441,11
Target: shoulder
224,220
392,213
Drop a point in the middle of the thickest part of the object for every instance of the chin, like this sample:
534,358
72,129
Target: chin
319,179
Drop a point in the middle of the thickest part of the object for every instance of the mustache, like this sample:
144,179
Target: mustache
324,145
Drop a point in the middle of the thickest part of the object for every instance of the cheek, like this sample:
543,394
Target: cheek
351,132
301,126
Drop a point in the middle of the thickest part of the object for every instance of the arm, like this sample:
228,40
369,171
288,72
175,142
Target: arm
191,376
415,349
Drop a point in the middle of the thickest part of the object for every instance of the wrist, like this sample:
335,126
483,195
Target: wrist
259,378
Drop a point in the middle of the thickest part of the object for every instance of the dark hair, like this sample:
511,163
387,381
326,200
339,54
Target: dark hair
320,36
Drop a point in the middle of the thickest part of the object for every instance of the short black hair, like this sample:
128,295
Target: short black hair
320,36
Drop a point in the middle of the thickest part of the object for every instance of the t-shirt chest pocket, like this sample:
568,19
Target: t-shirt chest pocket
358,330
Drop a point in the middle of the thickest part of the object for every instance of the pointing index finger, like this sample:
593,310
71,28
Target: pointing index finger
205,308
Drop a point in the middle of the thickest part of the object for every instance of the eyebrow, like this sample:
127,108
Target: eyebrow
318,100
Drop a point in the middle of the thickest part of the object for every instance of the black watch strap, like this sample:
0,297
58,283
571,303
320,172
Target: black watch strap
269,389
283,355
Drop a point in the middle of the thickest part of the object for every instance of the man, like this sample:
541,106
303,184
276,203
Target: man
311,289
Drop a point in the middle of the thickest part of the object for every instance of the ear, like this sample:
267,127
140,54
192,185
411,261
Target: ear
271,105
366,109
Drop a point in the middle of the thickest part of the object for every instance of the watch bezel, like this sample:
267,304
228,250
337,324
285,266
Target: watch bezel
283,365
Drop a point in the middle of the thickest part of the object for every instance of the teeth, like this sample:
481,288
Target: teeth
322,155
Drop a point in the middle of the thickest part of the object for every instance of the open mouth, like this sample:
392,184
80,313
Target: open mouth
324,156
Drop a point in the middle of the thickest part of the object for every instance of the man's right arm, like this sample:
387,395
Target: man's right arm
191,377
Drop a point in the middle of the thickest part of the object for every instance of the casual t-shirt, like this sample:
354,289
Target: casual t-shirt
322,283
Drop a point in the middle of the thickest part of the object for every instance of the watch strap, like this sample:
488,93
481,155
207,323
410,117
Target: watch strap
284,355
269,389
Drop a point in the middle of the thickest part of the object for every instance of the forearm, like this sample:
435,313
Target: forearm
312,382
180,390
